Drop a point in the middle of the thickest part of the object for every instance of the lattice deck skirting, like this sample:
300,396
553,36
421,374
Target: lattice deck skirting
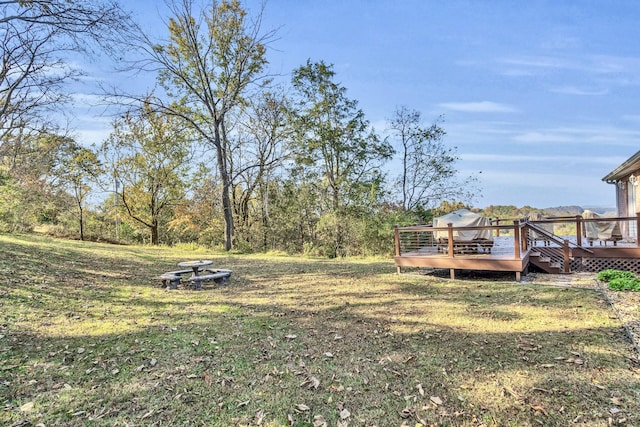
599,264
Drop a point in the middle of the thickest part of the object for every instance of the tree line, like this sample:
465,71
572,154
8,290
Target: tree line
221,153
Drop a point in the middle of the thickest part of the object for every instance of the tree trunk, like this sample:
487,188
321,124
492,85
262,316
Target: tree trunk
154,233
226,185
81,222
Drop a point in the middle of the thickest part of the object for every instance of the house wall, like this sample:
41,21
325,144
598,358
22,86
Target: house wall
632,201
621,206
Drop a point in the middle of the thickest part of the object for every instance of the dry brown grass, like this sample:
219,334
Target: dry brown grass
87,337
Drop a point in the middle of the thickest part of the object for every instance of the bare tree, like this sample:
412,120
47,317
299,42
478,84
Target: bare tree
428,175
261,148
35,37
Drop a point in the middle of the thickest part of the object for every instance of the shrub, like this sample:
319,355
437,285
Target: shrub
609,275
624,284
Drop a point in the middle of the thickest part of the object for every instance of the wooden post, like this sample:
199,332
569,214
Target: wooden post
416,238
638,229
450,242
396,233
516,244
524,238
565,253
579,229
497,227
452,273
516,238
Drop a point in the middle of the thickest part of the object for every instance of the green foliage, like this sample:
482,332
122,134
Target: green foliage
611,274
147,153
340,151
624,284
620,280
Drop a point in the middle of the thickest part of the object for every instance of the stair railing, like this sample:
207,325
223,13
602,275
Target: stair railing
555,239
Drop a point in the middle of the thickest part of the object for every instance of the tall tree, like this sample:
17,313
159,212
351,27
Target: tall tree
428,175
336,147
263,135
334,138
212,58
147,153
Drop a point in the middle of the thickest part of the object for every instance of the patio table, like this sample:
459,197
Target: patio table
195,266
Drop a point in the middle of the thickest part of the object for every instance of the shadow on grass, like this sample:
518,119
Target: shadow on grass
329,335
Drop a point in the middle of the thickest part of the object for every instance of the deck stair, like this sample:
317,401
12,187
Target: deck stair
549,262
550,257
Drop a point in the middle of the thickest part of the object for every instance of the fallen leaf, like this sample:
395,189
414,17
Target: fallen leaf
540,409
407,412
344,414
259,417
436,400
302,407
241,404
27,407
328,354
147,415
319,421
311,382
291,336
616,401
80,350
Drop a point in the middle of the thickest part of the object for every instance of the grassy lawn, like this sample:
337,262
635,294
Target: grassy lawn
88,337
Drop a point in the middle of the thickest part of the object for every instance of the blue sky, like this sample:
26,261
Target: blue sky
541,97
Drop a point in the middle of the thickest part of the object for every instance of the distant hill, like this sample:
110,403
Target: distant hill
602,211
563,211
577,210
509,211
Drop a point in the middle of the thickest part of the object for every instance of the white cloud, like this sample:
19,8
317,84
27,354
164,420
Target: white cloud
522,158
573,90
478,107
539,62
618,66
545,136
580,135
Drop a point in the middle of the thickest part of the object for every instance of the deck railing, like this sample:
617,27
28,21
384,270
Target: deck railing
426,239
516,237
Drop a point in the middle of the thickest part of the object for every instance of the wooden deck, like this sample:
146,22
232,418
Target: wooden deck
517,246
